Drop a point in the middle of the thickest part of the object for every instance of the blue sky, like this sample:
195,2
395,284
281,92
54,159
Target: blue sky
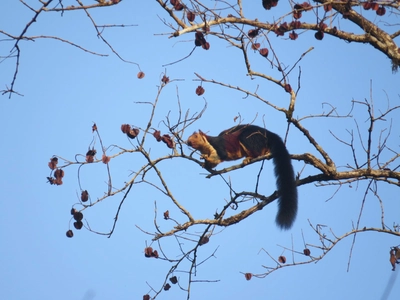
66,90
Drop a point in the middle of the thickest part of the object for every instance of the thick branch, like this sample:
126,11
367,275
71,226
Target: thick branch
375,36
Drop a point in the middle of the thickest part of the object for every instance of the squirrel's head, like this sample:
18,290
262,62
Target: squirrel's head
197,140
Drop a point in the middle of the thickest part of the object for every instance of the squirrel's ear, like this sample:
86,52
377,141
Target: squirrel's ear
203,135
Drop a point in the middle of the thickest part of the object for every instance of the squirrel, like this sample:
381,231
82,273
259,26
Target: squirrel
251,141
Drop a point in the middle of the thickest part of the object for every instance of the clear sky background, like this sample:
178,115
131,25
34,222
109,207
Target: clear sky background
66,89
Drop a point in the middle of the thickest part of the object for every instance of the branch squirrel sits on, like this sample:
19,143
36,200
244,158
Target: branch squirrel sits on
252,141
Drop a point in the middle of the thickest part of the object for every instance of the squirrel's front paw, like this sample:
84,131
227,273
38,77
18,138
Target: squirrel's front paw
247,160
204,156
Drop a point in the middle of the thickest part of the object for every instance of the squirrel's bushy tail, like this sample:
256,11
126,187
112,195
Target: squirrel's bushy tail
285,181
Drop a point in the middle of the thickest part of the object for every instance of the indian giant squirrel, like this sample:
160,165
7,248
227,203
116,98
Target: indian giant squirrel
252,141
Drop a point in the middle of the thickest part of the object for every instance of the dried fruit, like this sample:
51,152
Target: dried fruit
105,159
165,79
125,128
167,287
200,40
166,215
94,127
173,280
366,5
90,155
293,35
200,90
140,75
190,16
167,140
133,133
206,45
84,196
59,173
157,135
307,252
268,4
264,52
297,14
255,46
178,6
148,251
295,24
282,259
70,233
284,27
253,33
374,6
53,163
319,35
91,152
381,11
129,131
78,216
78,225
199,35
146,297
248,276
280,31
306,6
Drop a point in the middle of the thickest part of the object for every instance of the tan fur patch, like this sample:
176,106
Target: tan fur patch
199,142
